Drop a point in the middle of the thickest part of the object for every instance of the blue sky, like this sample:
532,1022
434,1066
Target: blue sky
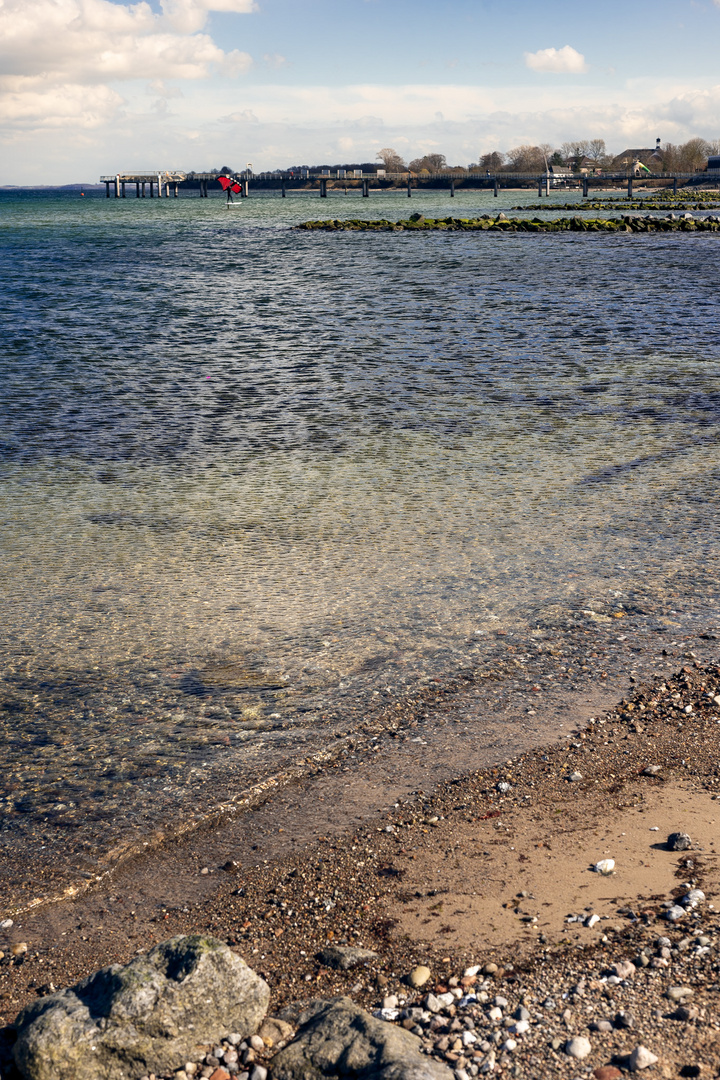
98,86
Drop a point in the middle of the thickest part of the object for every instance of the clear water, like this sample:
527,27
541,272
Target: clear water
254,478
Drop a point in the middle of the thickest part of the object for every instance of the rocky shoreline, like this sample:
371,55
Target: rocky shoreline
501,223
472,919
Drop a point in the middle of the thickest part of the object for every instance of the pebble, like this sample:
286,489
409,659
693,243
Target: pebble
520,1027
578,1047
471,972
607,1072
678,993
257,1044
678,841
19,949
604,867
693,898
651,770
521,1013
601,1025
675,913
575,776
6,924
259,1073
419,976
490,969
624,970
641,1058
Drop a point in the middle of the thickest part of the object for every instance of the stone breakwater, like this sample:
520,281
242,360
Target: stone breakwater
623,205
501,223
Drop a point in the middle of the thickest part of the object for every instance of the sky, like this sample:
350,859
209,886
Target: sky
91,87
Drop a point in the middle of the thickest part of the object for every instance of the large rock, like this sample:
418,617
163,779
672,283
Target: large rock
340,1040
148,1017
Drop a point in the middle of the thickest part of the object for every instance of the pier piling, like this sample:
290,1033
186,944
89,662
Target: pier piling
586,187
630,193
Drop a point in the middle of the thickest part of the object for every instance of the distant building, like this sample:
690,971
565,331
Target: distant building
584,165
713,163
639,161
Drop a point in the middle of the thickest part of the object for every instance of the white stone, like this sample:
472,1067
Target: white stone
592,920
470,972
624,969
578,1047
604,867
495,1013
509,1045
641,1058
520,1027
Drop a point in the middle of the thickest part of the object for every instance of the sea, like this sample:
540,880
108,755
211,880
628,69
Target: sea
258,484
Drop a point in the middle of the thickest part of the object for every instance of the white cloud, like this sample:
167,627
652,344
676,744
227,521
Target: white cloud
566,60
89,132
28,105
275,60
57,52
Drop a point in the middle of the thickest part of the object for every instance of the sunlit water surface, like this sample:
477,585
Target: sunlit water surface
253,477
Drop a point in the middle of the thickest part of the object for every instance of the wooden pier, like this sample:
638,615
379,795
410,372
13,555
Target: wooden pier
168,184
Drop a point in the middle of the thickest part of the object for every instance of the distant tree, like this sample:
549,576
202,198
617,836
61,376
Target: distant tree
596,149
431,163
577,148
525,159
492,162
392,162
688,157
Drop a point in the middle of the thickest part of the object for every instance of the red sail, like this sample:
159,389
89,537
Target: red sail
225,182
236,188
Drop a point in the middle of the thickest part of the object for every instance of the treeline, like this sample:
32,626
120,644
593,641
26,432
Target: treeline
691,156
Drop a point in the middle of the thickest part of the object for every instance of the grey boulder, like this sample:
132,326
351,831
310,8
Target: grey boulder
340,1040
122,1023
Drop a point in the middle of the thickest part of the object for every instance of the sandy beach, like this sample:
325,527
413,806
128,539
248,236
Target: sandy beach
493,870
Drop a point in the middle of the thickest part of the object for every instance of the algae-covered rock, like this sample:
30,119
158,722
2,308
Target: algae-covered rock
341,1040
123,1023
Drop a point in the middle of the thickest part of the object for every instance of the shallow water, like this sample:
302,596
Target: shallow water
254,479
